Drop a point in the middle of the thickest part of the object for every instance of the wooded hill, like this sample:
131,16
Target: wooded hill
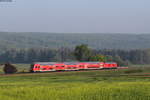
57,40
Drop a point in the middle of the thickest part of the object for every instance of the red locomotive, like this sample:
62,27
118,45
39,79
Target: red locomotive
68,66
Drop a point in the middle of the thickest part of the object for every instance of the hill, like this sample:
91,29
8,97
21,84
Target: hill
56,40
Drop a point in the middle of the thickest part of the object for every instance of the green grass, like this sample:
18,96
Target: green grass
87,85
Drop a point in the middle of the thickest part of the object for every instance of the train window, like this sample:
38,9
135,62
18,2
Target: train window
81,65
35,66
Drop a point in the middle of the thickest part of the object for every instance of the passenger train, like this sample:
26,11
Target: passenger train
70,66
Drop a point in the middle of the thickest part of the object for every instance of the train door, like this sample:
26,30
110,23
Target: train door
101,65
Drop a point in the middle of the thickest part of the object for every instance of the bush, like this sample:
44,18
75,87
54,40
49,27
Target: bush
9,69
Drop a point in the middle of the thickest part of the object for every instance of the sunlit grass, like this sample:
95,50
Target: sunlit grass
78,91
86,85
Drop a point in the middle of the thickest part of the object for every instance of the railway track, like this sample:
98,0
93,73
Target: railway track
58,72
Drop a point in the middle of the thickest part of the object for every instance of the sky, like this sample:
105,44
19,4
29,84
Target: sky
76,16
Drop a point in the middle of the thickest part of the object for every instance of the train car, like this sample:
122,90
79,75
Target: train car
110,65
43,66
95,65
91,65
59,66
69,66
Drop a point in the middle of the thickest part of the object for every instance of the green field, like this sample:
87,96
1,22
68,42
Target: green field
125,84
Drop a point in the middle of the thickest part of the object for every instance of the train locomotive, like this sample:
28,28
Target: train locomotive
71,66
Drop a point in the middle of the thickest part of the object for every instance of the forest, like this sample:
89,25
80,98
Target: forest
79,53
28,47
57,40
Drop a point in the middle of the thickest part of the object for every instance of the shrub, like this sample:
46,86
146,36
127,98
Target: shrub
9,69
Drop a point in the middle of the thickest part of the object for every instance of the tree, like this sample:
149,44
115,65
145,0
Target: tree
109,58
65,54
98,57
9,69
119,60
82,52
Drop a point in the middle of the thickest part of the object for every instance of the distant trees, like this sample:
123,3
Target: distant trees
109,58
79,53
98,57
82,52
119,60
28,55
65,54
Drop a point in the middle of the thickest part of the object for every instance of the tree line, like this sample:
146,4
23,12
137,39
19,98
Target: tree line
53,40
79,53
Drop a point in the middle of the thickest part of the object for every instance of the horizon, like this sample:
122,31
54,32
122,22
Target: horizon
72,33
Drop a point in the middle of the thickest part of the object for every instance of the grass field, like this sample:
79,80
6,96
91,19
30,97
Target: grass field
125,84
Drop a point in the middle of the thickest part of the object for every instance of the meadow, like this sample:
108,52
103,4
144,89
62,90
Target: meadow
123,84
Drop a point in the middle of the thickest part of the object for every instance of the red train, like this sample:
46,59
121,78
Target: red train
68,66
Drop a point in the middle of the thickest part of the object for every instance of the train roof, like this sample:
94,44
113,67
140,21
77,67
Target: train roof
46,63
111,62
69,63
93,62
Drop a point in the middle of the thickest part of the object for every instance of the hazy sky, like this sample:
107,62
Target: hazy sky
99,16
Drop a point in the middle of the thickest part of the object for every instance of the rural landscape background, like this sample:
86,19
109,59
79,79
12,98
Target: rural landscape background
75,31
57,40
36,47
128,50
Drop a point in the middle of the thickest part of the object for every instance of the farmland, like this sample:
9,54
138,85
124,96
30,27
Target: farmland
125,84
